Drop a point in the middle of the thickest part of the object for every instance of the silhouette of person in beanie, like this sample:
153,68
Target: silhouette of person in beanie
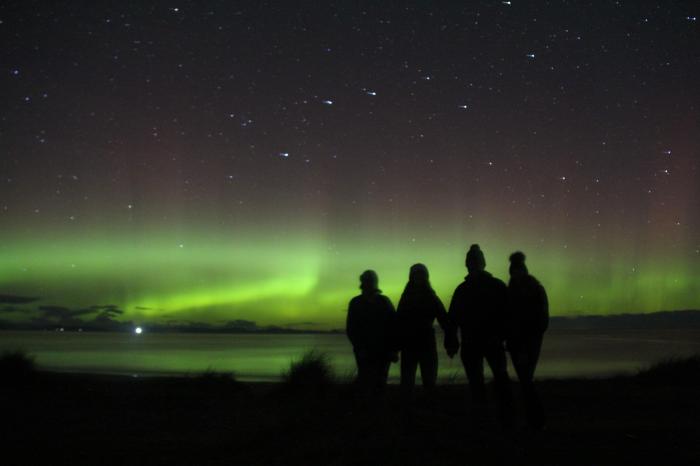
371,328
418,308
528,318
478,310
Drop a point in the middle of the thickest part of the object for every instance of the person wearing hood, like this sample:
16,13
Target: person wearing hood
478,310
528,319
418,308
370,328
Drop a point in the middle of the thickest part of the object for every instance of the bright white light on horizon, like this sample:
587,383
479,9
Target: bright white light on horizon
138,330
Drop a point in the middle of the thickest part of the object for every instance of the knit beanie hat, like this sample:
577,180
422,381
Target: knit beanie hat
369,280
517,262
475,258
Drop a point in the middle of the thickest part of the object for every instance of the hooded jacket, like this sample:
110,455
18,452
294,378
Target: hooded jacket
478,308
371,324
418,308
528,308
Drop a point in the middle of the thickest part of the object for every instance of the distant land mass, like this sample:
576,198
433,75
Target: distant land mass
655,320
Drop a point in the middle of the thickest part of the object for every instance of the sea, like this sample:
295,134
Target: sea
265,357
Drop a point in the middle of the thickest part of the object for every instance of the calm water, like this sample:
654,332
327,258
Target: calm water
265,357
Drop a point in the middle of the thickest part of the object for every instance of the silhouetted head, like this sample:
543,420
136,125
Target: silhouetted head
475,261
418,274
517,264
369,281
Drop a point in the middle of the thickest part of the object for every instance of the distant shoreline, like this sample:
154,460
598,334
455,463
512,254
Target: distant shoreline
642,321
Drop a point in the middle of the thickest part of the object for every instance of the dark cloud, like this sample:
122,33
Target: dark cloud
302,324
12,309
109,310
55,311
60,312
100,307
241,324
53,315
13,299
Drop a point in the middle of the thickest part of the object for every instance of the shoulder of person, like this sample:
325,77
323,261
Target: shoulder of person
537,283
355,300
461,287
384,299
498,282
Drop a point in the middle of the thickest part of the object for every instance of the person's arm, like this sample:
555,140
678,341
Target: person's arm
440,313
451,342
502,310
401,308
350,326
544,309
392,331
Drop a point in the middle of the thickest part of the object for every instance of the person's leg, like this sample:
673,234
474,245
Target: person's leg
473,362
429,366
409,363
496,357
362,374
365,378
527,362
382,365
535,349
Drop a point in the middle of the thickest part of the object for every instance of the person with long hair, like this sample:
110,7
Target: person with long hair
528,318
418,308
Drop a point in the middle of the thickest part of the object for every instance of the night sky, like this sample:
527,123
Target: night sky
214,161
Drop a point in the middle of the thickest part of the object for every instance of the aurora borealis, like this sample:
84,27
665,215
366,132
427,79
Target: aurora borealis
214,162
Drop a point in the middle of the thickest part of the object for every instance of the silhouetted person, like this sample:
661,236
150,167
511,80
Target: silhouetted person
371,329
418,308
478,309
528,318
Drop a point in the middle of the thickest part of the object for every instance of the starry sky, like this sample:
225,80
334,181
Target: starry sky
213,161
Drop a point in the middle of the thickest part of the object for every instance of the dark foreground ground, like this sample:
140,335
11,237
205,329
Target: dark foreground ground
93,420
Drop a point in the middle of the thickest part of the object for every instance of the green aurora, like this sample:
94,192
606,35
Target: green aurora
306,278
220,162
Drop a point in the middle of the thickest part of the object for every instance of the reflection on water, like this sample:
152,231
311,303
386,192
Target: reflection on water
264,357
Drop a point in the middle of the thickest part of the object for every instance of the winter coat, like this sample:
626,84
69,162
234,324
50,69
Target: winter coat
418,308
371,325
478,308
528,309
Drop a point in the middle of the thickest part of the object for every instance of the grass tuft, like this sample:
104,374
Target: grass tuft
16,366
312,371
672,371
213,377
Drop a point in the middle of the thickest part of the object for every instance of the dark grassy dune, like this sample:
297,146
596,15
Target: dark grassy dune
53,418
